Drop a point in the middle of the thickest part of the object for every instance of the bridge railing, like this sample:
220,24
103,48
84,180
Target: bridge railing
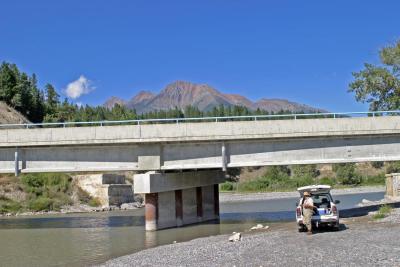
292,116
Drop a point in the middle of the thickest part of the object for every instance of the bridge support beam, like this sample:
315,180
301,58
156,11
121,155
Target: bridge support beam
177,199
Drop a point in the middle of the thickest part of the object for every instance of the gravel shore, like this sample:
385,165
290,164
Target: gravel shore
234,197
359,243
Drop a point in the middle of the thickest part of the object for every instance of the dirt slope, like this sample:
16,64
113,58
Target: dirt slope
9,115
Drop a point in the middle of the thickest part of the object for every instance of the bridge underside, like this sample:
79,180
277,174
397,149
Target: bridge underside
200,155
177,199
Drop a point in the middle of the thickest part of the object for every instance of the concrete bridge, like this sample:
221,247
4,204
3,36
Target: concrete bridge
186,160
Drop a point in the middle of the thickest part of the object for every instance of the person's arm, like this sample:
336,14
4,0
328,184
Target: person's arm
312,204
308,204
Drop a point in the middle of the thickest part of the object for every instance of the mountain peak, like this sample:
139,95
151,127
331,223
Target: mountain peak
142,96
182,87
112,101
183,93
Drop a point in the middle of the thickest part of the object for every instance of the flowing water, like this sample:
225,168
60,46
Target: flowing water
86,239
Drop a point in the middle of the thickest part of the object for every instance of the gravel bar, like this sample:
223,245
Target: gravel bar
234,197
357,244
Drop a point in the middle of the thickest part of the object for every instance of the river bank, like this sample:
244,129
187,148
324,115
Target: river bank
225,197
236,197
81,208
361,241
86,239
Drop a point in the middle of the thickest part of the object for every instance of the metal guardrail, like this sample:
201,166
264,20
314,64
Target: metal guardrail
205,119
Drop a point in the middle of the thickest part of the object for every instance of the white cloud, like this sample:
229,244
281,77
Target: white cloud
81,86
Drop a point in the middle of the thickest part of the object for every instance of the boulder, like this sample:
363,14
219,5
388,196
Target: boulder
235,237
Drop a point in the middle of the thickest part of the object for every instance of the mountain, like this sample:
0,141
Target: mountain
9,115
182,94
141,100
112,101
283,104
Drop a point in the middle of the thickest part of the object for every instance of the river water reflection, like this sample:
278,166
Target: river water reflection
85,239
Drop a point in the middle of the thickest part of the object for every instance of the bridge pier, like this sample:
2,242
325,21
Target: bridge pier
177,199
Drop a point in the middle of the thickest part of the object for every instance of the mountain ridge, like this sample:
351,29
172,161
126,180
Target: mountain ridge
181,94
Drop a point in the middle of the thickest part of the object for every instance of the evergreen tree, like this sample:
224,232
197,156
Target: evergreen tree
52,99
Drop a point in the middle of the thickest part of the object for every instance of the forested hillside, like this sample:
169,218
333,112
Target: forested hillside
21,92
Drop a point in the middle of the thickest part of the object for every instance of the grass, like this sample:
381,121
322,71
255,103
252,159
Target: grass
43,192
383,212
8,206
283,183
94,202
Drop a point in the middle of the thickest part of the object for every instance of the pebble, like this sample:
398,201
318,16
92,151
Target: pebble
358,245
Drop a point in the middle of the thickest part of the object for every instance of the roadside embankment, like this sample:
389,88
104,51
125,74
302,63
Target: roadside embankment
235,197
56,193
360,242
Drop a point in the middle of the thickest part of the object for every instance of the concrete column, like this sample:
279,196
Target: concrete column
190,208
216,201
178,208
199,202
393,185
151,210
176,199
16,163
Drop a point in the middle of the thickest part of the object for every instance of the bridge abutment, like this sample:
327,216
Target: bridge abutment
177,199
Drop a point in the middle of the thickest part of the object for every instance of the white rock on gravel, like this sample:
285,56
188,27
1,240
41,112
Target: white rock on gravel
235,237
257,227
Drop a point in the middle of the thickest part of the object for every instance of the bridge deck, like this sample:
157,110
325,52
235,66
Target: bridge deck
205,145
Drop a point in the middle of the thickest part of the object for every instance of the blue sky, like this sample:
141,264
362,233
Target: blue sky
304,51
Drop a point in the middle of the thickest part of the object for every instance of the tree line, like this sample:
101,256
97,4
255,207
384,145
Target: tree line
20,91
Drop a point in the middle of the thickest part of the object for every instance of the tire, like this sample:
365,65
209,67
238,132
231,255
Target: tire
301,228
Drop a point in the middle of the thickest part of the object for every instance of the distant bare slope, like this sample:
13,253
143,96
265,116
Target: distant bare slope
182,94
9,115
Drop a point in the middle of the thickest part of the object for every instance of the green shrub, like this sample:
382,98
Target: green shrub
307,170
327,181
7,205
38,183
303,181
393,167
94,202
377,164
233,174
33,183
383,211
83,196
40,204
275,178
374,180
346,174
260,184
227,186
48,191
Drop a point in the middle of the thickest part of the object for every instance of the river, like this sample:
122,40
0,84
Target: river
86,239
